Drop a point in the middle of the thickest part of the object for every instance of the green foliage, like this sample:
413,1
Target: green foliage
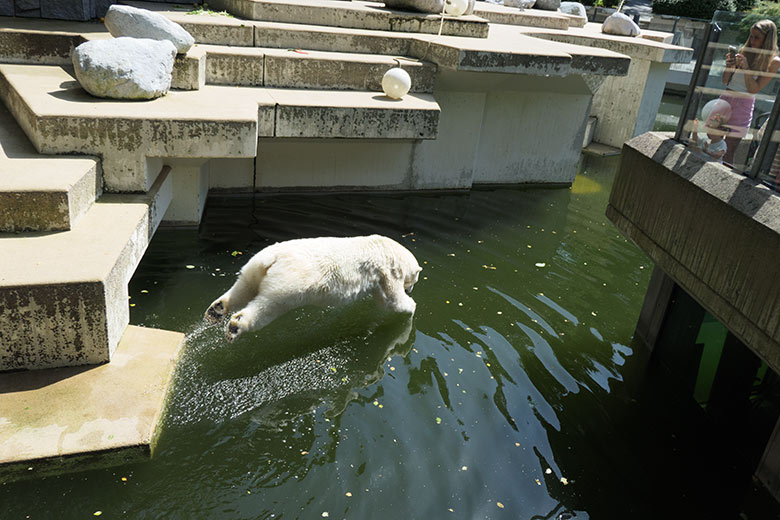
764,10
703,9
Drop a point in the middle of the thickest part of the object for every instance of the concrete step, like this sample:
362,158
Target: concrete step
39,193
324,114
354,14
63,296
59,117
214,122
79,418
309,69
525,17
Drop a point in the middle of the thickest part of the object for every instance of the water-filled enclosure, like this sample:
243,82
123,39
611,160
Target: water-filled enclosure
516,390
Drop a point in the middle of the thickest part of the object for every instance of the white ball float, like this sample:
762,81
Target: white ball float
456,7
396,83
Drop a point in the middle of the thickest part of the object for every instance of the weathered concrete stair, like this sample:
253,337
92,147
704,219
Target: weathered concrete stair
353,15
77,418
308,69
215,121
63,296
39,193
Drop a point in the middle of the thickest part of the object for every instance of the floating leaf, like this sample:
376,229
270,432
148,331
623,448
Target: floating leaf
348,494
499,504
438,420
97,513
564,481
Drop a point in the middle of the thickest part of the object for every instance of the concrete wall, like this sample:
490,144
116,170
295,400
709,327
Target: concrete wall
493,129
714,232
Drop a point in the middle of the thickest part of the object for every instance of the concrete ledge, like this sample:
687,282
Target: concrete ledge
74,419
60,117
526,17
715,232
345,115
355,14
337,39
40,193
63,296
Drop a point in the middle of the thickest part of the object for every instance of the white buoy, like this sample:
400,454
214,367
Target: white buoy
456,7
396,83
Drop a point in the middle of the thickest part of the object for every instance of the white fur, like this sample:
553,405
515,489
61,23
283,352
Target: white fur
326,271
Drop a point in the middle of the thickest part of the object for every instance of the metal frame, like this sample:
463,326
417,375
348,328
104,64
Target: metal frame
692,97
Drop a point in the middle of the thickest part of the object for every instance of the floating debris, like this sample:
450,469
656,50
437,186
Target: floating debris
500,505
348,494
189,266
438,420
540,264
564,481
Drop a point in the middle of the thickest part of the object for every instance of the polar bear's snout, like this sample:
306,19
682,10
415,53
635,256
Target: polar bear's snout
325,271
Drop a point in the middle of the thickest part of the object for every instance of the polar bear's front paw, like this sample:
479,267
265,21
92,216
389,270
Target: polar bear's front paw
237,325
216,311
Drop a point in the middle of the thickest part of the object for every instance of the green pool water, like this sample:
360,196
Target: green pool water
516,391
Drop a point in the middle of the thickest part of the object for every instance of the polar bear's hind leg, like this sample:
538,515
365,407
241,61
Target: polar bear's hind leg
257,314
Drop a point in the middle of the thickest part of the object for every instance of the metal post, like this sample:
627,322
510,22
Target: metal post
771,124
713,35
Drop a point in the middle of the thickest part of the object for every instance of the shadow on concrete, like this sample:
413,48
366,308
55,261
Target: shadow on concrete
26,380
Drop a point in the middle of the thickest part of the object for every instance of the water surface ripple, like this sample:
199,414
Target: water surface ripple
504,397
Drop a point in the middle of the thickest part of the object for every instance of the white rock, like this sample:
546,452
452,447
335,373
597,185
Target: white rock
575,8
620,25
547,5
123,20
125,68
422,6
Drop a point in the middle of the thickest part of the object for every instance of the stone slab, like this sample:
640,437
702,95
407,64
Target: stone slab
345,115
354,14
341,71
500,14
39,193
73,419
60,117
601,150
63,296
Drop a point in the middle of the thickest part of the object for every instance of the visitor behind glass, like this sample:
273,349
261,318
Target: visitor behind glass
747,72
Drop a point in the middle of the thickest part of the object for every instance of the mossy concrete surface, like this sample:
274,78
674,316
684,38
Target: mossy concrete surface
355,15
60,419
39,193
63,296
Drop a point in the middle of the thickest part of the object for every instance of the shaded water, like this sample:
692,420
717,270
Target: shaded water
515,391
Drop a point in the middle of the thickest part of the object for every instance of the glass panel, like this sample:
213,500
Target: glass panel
734,89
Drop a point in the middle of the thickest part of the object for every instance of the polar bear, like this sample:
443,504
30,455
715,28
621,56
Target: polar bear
325,271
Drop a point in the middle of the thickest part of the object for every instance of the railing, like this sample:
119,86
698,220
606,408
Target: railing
724,117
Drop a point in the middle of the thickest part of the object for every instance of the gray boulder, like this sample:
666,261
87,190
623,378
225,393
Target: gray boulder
575,8
620,25
123,20
421,6
547,5
125,68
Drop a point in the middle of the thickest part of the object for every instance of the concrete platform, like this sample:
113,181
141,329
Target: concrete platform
500,14
327,114
309,69
59,117
63,296
74,419
39,193
354,14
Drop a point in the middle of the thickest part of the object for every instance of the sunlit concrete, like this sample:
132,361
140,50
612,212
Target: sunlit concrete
78,418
